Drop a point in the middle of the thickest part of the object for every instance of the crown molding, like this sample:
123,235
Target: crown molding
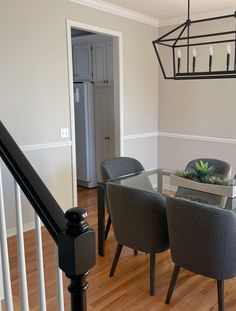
118,10
179,20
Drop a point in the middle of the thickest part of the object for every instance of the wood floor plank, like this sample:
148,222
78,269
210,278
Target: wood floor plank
128,290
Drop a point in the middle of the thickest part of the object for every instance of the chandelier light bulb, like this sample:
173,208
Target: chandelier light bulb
228,49
179,53
194,52
211,50
228,57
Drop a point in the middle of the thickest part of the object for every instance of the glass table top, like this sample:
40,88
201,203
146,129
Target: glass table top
159,180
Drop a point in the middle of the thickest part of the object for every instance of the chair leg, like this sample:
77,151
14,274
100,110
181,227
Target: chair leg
135,252
108,226
115,260
172,284
220,291
152,274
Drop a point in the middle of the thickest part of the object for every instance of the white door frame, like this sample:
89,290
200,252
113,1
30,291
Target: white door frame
118,91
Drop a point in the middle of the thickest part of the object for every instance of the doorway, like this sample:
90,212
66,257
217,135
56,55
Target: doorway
93,45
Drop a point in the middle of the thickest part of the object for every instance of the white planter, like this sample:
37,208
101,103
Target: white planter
229,191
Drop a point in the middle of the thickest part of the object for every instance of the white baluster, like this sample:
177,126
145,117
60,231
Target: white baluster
4,252
21,252
39,250
60,291
1,283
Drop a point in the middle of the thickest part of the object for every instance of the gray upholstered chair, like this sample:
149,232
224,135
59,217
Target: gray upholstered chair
116,167
139,222
203,241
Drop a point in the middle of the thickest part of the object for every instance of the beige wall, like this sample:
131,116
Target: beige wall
34,96
204,108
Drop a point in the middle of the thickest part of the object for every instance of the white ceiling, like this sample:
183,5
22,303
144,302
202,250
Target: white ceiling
167,9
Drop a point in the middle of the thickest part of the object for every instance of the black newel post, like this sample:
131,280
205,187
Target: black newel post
77,255
77,289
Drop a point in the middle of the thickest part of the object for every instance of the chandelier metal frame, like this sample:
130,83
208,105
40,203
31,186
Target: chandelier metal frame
175,43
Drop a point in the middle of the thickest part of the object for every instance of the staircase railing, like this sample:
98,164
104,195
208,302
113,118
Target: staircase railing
74,239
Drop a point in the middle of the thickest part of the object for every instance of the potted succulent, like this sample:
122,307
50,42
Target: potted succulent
202,178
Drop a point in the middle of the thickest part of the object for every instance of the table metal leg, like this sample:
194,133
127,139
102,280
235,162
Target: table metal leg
160,182
101,219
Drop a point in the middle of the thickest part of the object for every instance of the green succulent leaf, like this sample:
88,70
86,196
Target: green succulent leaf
203,170
203,173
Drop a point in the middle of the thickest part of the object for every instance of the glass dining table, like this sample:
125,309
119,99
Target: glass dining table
156,180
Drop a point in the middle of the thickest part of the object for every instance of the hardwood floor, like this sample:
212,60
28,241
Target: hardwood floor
128,290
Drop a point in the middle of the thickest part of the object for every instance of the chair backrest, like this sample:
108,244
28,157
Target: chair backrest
202,238
120,166
138,218
220,166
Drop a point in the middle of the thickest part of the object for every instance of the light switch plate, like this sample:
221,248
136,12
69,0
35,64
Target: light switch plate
64,132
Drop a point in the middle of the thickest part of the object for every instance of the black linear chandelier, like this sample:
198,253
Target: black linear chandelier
187,50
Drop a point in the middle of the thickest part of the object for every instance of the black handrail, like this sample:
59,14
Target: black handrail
74,238
31,184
